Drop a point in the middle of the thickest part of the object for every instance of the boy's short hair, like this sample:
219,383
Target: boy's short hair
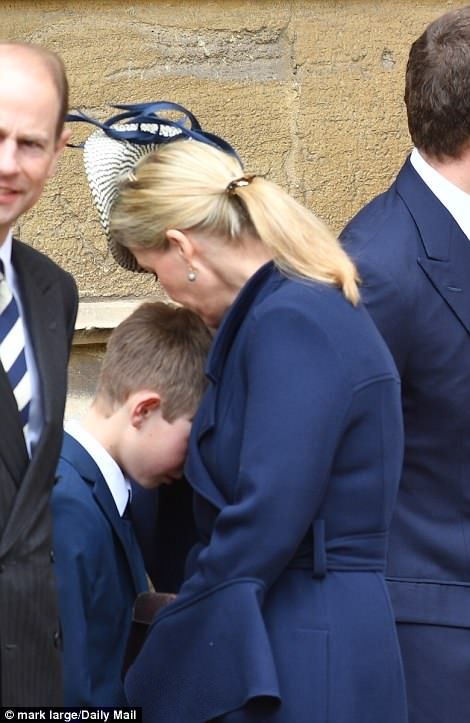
159,347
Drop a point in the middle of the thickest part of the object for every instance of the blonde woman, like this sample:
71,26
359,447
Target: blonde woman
295,456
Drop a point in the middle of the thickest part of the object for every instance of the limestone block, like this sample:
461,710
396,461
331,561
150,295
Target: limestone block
309,91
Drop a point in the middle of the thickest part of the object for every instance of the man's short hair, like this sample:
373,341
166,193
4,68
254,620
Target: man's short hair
159,347
56,69
437,92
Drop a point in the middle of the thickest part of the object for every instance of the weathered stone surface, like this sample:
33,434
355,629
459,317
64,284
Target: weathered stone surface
309,91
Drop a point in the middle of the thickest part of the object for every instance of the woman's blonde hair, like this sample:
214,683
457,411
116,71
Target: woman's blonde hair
184,185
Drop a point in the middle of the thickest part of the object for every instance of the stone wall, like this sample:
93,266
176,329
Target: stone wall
309,92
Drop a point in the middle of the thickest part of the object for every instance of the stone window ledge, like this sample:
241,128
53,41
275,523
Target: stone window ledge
96,319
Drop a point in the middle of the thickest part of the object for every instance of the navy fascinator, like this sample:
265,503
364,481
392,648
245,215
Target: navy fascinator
112,151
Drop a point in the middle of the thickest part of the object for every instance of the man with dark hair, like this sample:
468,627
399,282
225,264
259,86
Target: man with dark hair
412,247
38,304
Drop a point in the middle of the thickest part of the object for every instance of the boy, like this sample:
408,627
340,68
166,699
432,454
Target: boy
137,427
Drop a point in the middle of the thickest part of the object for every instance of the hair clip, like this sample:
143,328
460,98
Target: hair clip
239,183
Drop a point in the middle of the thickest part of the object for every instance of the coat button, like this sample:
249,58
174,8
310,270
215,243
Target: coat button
57,638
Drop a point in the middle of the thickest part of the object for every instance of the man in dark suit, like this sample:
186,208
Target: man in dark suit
41,300
412,246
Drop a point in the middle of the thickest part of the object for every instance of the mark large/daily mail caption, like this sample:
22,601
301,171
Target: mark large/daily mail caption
70,715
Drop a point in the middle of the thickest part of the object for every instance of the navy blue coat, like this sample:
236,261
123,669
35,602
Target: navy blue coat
99,571
295,456
415,263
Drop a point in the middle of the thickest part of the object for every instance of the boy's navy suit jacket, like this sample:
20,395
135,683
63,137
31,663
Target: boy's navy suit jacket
415,264
99,571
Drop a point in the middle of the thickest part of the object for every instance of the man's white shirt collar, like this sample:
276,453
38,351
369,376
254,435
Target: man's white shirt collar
118,485
5,256
456,201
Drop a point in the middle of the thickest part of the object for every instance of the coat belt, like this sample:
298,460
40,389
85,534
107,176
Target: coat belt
357,552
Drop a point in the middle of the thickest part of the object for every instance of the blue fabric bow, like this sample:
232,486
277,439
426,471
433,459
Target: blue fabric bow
149,113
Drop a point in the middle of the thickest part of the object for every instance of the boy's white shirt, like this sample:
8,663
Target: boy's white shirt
118,485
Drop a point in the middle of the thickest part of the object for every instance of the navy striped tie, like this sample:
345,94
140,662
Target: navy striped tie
12,353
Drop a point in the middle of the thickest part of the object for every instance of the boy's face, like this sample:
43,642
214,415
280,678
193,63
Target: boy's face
156,449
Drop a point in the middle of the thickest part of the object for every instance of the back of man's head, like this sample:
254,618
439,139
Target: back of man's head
160,348
437,92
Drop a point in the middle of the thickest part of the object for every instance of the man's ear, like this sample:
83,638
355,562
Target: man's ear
60,143
141,406
182,243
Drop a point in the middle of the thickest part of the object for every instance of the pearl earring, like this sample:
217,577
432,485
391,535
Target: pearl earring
192,276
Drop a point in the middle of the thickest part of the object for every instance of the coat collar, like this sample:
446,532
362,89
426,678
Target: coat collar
256,288
260,285
446,250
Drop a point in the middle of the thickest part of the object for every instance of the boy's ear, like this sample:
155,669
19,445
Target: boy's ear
142,405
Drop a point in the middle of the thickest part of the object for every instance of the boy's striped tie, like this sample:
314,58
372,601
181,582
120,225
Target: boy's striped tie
12,353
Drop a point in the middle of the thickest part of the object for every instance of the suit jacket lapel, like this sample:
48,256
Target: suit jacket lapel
129,544
42,307
12,443
446,249
13,451
87,468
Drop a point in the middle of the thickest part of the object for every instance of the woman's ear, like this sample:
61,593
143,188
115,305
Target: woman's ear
182,243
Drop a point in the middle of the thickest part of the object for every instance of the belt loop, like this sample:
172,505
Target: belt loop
319,551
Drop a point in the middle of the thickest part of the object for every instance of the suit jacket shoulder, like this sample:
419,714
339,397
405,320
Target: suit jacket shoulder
47,272
383,240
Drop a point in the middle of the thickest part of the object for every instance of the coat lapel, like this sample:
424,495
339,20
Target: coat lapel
446,250
257,288
195,470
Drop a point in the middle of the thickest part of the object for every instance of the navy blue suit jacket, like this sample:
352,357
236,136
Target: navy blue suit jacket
415,264
295,456
99,571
